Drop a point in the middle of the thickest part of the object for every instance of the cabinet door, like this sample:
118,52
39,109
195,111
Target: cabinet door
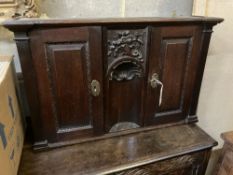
125,72
173,64
68,66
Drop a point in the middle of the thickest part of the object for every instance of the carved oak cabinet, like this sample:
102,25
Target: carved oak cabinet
97,79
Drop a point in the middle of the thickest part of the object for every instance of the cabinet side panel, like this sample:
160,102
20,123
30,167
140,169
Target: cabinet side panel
31,85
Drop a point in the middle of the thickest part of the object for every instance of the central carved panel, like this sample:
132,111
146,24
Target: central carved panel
126,54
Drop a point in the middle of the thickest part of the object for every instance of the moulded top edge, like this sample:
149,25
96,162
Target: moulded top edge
13,24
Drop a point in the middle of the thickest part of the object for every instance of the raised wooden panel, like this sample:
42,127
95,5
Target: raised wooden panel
174,58
66,61
67,65
126,55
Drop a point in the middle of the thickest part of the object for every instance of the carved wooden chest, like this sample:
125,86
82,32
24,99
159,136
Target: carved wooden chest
102,78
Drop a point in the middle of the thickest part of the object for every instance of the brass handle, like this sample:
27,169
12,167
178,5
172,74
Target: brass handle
95,88
154,82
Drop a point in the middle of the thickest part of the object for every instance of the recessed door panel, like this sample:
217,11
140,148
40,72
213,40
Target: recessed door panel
175,58
69,78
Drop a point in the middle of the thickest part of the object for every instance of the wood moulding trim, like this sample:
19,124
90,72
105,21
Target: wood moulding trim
23,25
38,146
21,36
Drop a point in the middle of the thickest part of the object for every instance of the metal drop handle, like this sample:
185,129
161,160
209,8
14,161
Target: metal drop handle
95,88
154,82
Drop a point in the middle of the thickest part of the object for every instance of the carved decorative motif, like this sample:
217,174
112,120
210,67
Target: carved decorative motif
126,71
136,171
29,10
163,167
126,43
126,54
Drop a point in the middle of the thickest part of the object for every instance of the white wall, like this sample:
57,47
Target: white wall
215,108
115,8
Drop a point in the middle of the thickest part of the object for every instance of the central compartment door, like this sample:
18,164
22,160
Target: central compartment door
125,77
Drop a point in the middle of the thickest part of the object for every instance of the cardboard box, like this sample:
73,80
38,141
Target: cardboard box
11,128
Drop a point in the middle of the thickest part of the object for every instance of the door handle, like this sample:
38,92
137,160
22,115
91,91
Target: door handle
95,88
154,83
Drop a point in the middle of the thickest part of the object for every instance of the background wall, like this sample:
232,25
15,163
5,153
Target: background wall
115,8
215,109
216,98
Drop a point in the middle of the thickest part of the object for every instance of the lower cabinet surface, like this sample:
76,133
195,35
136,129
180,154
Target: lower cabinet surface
176,150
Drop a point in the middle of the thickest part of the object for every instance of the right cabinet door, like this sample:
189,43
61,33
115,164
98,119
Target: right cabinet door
173,64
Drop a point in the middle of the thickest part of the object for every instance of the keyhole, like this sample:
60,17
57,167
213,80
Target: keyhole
95,88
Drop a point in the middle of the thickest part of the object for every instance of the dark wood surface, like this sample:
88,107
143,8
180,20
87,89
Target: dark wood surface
225,163
66,61
89,79
125,152
126,57
61,58
189,164
22,24
174,57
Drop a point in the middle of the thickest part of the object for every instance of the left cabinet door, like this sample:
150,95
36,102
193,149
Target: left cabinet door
68,66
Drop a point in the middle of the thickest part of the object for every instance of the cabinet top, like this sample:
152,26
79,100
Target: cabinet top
24,24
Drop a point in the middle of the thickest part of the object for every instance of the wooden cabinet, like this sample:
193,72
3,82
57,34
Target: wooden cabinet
98,79
87,78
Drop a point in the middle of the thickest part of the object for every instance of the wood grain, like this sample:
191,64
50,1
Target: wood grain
117,154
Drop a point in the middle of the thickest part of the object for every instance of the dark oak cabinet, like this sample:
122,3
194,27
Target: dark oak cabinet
94,79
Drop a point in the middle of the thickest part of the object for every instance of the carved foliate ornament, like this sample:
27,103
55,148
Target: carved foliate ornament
166,166
126,43
126,54
29,9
